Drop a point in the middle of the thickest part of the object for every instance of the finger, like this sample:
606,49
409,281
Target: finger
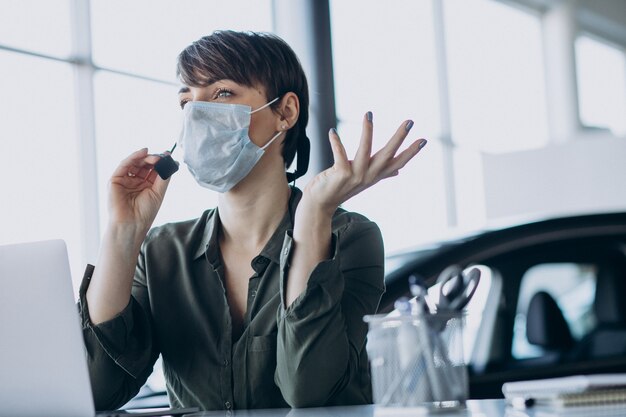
150,160
144,167
396,140
159,184
405,156
147,176
135,163
363,154
339,152
133,171
154,181
138,167
129,162
130,182
148,179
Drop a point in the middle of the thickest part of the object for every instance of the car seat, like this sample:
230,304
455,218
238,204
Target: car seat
547,328
608,338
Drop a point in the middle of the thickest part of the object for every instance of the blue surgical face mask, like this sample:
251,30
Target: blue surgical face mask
216,145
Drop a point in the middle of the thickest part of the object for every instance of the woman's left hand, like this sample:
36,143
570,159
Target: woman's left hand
327,190
346,178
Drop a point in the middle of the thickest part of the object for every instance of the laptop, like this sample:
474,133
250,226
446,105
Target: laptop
43,365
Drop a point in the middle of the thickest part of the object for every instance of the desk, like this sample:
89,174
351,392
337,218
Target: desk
475,408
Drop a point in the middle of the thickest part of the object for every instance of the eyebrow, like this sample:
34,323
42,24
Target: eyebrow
183,90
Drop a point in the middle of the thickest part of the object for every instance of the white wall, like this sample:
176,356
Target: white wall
580,172
583,175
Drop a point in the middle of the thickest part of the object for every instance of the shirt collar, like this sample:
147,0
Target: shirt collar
210,234
271,251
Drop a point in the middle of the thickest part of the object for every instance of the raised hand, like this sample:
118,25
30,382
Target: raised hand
346,178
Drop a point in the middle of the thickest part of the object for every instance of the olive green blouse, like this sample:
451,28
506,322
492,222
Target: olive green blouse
309,354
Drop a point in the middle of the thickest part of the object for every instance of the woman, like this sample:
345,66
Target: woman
259,302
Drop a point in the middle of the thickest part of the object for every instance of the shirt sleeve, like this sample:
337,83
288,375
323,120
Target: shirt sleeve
321,356
120,352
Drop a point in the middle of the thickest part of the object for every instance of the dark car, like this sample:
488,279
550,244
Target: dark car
552,297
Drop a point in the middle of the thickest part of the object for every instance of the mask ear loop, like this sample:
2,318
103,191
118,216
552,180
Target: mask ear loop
269,103
271,140
303,151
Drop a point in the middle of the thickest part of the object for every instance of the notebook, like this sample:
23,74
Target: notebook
618,410
43,363
572,391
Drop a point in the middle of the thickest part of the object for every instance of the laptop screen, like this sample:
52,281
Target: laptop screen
43,362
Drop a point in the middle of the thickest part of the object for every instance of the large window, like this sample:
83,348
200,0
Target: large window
388,58
497,92
145,36
491,73
395,77
601,71
35,25
134,45
39,169
132,112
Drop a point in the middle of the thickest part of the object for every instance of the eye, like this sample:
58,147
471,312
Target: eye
222,93
183,102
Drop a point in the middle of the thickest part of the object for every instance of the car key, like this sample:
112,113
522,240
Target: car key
166,166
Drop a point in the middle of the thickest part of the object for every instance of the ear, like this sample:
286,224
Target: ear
288,110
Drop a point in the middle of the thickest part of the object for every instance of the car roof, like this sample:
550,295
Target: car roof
491,241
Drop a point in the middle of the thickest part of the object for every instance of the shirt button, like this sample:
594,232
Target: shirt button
228,405
253,294
226,362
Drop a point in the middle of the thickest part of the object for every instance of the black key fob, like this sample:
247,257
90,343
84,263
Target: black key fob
166,166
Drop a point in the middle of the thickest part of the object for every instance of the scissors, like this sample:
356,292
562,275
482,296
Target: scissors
456,287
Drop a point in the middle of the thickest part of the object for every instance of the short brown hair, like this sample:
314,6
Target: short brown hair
250,59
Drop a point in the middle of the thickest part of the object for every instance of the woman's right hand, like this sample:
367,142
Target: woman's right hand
136,191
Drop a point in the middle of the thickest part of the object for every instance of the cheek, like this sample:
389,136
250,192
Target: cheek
261,130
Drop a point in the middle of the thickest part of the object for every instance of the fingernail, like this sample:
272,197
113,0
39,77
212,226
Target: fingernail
333,131
423,144
409,125
369,116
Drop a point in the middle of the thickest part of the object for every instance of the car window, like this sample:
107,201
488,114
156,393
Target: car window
572,286
396,261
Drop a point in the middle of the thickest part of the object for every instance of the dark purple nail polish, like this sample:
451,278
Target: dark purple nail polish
409,125
424,142
369,116
333,131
